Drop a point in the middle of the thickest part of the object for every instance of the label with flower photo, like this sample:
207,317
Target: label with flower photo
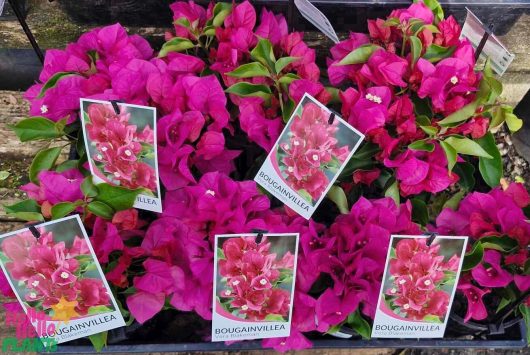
308,156
121,148
418,287
253,286
58,281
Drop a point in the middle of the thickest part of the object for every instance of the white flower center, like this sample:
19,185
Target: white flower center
290,169
104,149
32,295
401,282
128,153
99,156
228,292
454,80
373,98
35,283
406,306
393,290
427,282
44,109
297,143
235,283
117,174
64,275
210,192
315,157
263,282
244,307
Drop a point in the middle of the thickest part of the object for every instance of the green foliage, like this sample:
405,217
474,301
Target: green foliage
44,160
37,128
359,55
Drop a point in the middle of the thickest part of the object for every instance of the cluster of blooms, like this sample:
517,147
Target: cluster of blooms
253,278
494,214
118,147
311,146
393,83
230,46
418,272
51,271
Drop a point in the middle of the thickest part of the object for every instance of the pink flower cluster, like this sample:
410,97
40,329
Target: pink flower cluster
50,271
385,92
311,148
497,213
253,278
119,148
418,273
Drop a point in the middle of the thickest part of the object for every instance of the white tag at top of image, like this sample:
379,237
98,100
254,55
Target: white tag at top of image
317,18
2,3
499,55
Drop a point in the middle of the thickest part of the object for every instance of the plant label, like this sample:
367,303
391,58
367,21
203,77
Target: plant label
253,286
58,281
121,148
308,157
317,18
418,286
474,30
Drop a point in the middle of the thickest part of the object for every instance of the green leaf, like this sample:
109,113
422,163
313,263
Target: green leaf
118,198
62,209
52,82
288,78
249,70
415,48
420,212
436,8
101,209
220,11
28,205
66,165
176,44
467,146
454,201
504,113
435,53
44,160
474,257
461,115
220,254
490,169
393,192
28,216
34,128
504,244
466,172
422,145
450,154
283,62
274,318
359,324
288,109
525,312
99,340
359,55
337,195
182,21
264,53
250,90
88,188
430,130
422,107
4,174
362,159
432,318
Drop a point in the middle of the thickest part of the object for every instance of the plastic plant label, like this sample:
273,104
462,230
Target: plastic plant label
500,56
251,301
2,3
317,18
418,286
121,148
309,155
58,281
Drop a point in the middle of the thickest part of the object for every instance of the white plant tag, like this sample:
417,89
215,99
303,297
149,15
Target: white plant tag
2,3
499,55
317,18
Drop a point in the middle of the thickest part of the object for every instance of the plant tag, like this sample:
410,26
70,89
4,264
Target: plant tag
2,3
58,281
317,18
251,301
309,155
474,30
120,143
418,286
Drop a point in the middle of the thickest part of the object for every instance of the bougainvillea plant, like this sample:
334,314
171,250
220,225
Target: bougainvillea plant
223,85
